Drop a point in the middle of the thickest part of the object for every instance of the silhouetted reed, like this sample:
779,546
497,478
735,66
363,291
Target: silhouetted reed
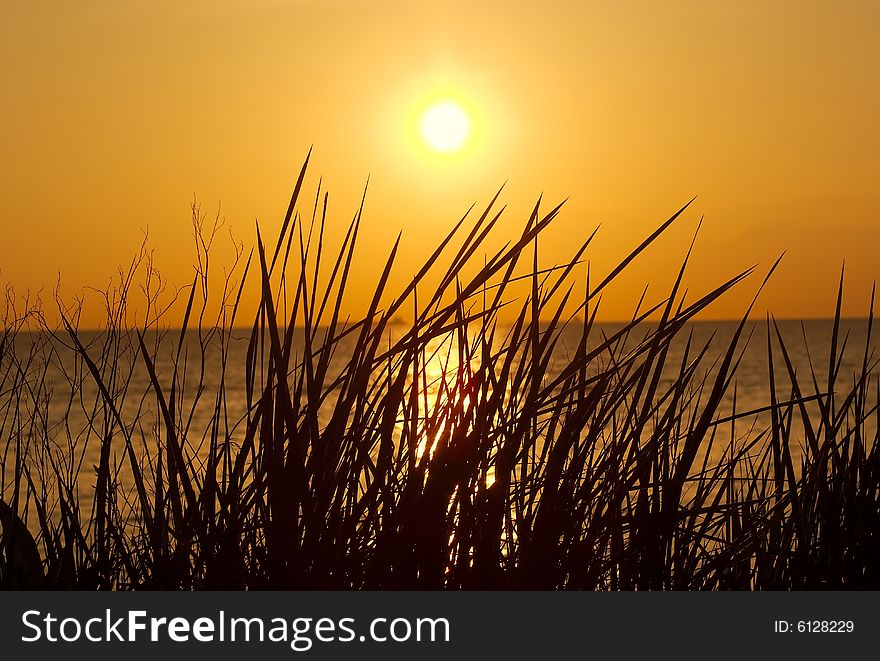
356,463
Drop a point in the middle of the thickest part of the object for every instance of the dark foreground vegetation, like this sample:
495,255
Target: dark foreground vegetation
353,466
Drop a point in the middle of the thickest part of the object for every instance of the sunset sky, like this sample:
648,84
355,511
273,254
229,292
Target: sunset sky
116,115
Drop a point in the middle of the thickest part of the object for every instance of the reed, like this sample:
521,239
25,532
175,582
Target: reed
354,463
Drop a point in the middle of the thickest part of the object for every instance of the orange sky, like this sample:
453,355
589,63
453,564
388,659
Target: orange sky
116,114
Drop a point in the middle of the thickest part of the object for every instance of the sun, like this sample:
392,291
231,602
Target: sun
445,126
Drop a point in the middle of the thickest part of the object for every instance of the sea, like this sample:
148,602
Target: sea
50,401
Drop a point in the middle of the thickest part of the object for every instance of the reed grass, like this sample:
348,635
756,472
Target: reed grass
354,464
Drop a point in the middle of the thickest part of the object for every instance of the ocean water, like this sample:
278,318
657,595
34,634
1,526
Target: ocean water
54,401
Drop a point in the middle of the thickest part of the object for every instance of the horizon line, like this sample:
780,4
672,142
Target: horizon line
721,320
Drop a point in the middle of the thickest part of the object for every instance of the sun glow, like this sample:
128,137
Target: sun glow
445,126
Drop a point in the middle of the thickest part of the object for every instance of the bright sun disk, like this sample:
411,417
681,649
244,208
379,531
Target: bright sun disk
445,126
